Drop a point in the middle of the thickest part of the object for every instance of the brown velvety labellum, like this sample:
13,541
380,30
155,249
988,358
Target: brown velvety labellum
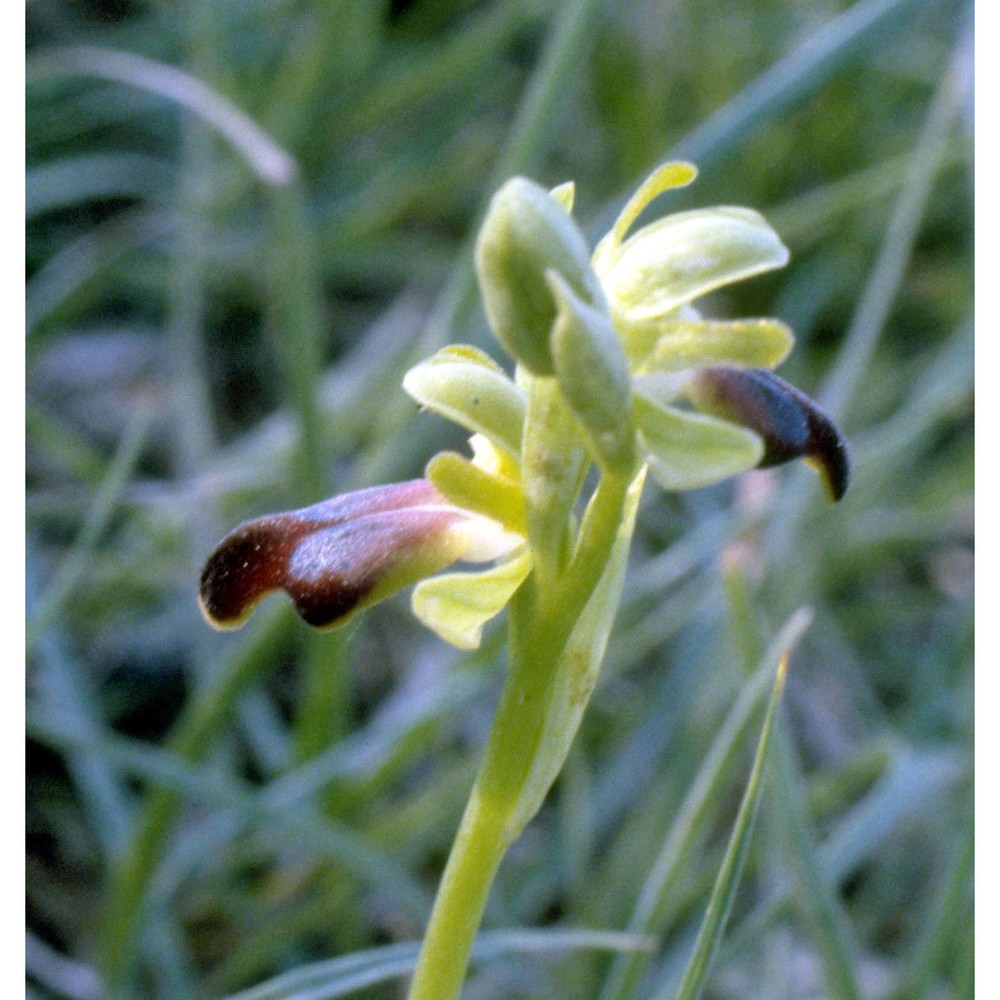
791,424
328,557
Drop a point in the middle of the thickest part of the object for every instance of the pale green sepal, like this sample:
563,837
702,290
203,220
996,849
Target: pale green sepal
681,257
525,233
576,672
471,487
677,173
465,385
593,377
564,194
687,450
750,343
639,337
457,605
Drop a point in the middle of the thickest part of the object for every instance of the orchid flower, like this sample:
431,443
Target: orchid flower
616,371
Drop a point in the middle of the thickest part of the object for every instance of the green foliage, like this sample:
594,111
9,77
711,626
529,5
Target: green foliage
211,338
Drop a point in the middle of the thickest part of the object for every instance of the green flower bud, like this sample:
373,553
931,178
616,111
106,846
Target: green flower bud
526,233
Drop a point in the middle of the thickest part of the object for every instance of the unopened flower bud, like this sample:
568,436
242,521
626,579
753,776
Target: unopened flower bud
525,234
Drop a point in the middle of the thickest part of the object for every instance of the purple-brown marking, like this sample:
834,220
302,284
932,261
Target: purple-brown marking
791,424
332,556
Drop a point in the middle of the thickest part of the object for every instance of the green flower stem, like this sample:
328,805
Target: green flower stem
541,622
552,467
475,856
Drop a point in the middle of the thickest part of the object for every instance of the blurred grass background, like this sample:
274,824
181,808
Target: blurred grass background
245,220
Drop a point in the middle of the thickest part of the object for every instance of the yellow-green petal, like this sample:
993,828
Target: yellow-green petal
682,257
687,450
746,343
471,487
457,605
467,386
564,194
676,173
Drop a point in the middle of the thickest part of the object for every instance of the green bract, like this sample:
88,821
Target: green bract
593,377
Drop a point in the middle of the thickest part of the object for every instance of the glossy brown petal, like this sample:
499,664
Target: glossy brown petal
791,424
337,556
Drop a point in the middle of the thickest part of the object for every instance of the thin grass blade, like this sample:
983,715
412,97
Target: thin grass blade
714,922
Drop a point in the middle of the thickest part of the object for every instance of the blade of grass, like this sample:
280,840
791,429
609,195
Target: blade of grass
717,913
104,798
73,180
192,736
66,448
525,144
268,160
64,976
815,893
296,320
929,156
912,782
194,437
414,78
949,911
80,263
66,579
695,813
167,771
340,976
807,218
330,52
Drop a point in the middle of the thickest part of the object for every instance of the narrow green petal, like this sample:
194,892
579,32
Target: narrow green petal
564,194
681,257
688,450
750,343
474,488
457,605
467,386
669,175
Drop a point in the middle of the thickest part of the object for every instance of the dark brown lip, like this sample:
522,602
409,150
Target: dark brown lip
328,557
791,424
